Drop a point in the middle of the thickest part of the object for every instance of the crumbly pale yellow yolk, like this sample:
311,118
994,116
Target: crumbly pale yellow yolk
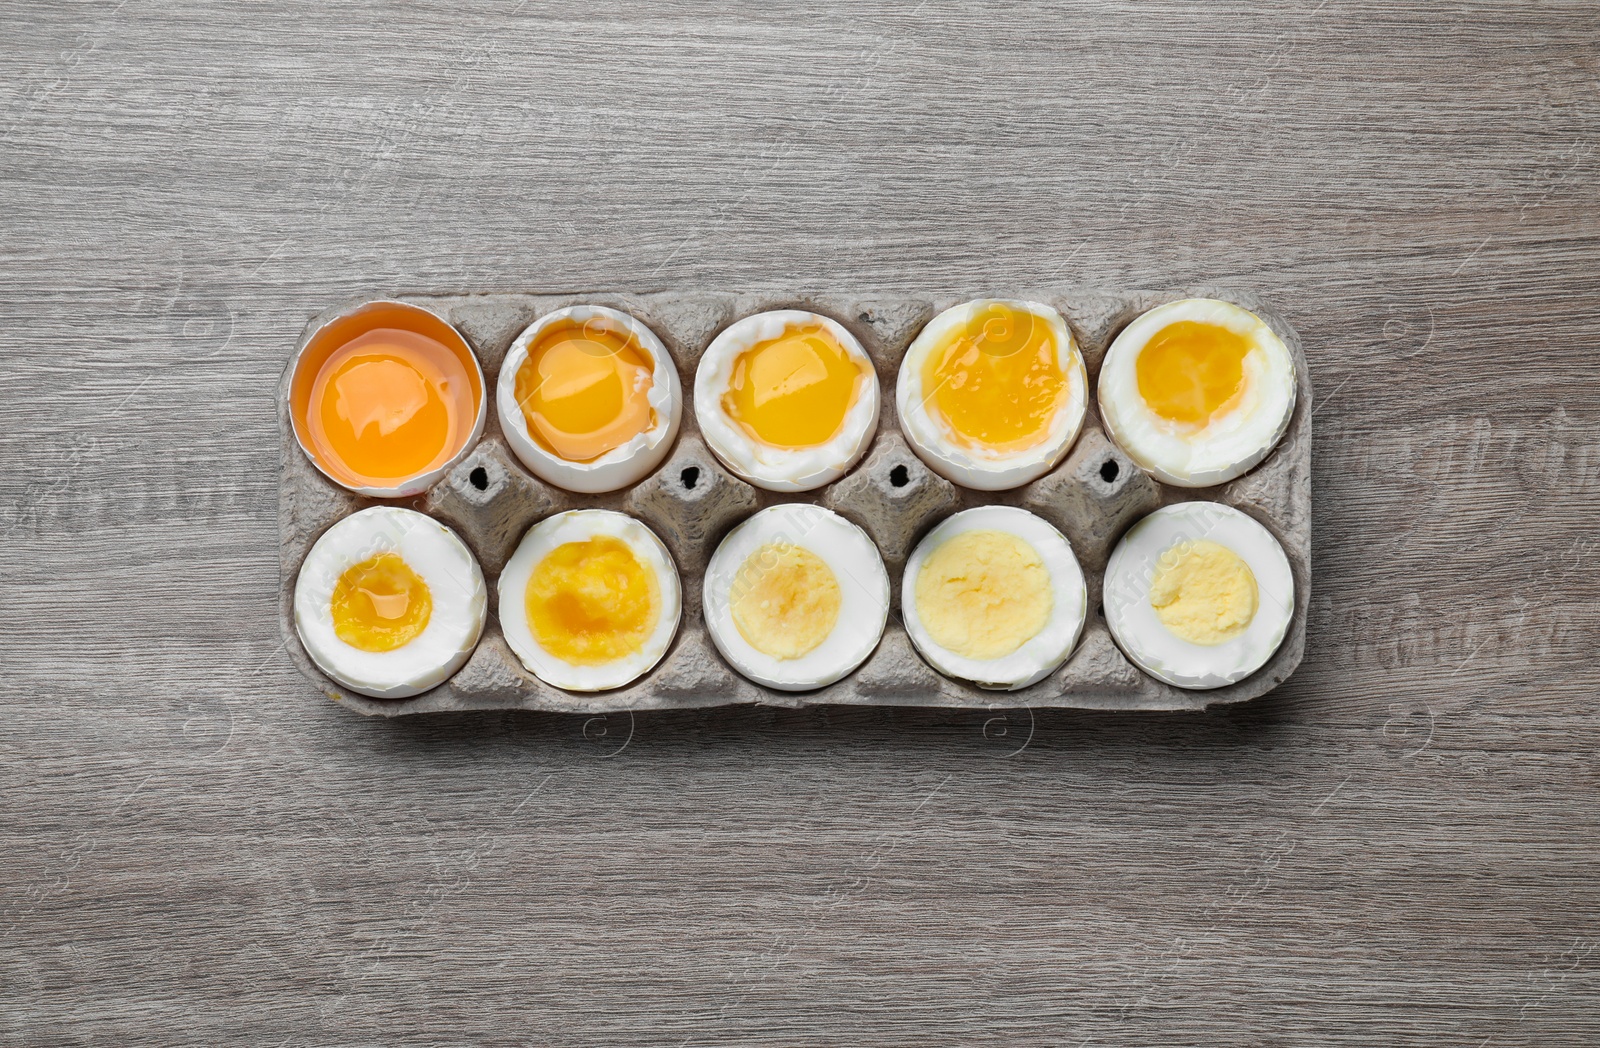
388,405
1203,592
1189,371
592,602
997,382
984,594
793,391
380,604
585,389
785,600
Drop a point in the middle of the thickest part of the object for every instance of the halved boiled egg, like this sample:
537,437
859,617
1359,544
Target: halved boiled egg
796,597
1199,595
788,399
992,393
389,602
994,595
590,600
1197,391
588,398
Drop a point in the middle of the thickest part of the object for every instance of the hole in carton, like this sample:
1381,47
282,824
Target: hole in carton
1109,470
1101,611
479,478
899,476
690,477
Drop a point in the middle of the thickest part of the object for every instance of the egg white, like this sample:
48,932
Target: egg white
455,584
1230,443
623,465
863,590
780,469
980,468
1140,633
580,525
1039,655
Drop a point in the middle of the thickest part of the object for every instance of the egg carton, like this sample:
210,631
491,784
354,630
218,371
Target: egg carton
691,501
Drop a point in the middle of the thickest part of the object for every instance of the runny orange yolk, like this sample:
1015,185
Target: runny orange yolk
1189,371
388,405
592,602
795,390
585,389
997,382
380,604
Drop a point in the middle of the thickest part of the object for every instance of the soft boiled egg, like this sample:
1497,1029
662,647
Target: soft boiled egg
389,602
1197,391
1199,595
788,400
590,600
992,393
588,398
796,597
994,595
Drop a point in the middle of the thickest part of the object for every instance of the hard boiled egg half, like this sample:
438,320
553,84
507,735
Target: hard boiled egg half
1199,595
588,398
1197,391
788,399
590,600
994,595
389,602
992,393
796,597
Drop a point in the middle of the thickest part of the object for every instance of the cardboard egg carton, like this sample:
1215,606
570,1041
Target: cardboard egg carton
691,501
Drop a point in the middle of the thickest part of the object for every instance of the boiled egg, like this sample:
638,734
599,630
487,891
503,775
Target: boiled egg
588,398
992,393
796,597
1198,594
590,600
1197,391
389,602
788,399
994,595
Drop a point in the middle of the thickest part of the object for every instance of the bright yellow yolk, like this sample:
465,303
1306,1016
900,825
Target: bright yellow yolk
593,602
1203,592
380,604
388,405
984,594
794,391
997,383
785,600
585,389
1190,371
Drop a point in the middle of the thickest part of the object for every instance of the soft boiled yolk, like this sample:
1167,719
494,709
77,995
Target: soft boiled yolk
585,390
1189,371
785,600
1203,592
388,405
997,383
380,604
793,391
984,594
592,602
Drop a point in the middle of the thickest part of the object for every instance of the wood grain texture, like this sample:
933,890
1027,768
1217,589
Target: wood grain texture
1396,847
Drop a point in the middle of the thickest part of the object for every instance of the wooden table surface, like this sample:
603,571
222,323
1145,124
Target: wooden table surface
1398,847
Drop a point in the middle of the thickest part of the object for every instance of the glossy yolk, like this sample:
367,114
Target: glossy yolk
997,382
785,600
593,602
984,594
794,391
1203,592
1189,371
380,604
388,405
585,390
